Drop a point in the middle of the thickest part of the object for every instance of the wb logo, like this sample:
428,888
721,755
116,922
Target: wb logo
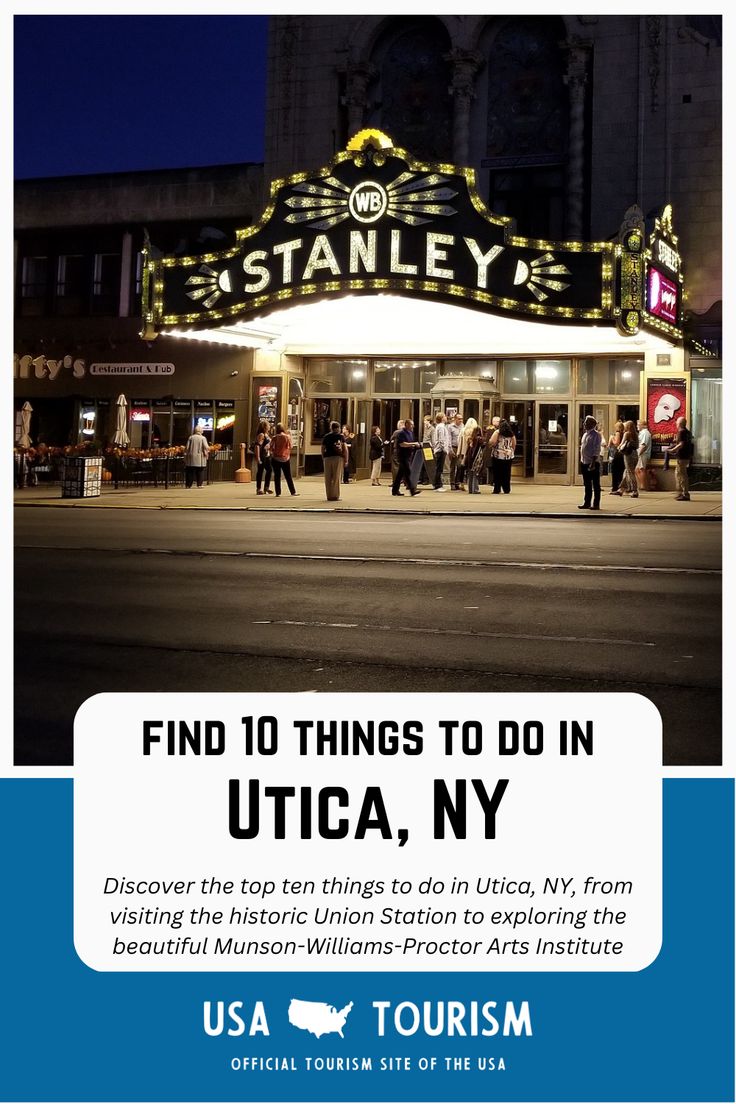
368,201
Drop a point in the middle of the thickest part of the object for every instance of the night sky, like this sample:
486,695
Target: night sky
114,93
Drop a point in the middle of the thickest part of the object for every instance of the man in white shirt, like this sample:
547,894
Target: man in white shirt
455,426
441,445
645,453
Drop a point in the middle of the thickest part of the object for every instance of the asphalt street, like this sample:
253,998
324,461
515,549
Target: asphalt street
141,600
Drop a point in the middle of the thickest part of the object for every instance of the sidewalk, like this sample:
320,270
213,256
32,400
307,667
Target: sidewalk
526,500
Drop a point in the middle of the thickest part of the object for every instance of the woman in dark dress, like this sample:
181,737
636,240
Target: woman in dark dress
263,459
349,462
615,458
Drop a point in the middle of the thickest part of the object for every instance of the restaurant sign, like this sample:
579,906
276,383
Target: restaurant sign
132,369
376,220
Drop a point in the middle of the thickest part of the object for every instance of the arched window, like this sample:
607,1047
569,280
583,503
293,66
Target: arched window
527,125
412,102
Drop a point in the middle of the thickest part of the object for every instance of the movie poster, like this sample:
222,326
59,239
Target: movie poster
666,402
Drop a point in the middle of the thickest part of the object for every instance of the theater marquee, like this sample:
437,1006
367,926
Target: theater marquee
375,220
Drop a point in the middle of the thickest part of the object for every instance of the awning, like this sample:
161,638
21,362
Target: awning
394,325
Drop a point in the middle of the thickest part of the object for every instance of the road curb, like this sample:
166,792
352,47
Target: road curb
376,510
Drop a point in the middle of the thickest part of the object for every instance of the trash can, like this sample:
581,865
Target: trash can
81,477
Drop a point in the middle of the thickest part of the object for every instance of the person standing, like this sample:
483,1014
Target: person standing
333,458
281,460
462,459
488,451
473,459
406,446
615,458
375,455
590,465
502,444
629,450
644,454
455,428
195,457
349,437
263,458
683,454
440,441
394,448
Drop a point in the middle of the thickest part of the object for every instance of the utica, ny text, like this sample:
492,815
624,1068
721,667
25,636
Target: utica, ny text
306,812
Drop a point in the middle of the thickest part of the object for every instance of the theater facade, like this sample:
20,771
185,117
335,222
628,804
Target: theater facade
381,287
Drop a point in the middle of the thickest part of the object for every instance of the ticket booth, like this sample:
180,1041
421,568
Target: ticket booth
469,396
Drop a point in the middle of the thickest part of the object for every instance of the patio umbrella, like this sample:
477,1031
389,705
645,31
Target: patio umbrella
121,434
25,425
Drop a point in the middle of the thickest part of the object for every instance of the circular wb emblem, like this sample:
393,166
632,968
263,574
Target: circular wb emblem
368,201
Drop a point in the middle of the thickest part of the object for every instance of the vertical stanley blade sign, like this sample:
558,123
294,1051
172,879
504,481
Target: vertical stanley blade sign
631,282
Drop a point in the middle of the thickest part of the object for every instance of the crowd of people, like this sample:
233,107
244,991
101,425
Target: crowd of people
450,454
628,453
447,454
449,449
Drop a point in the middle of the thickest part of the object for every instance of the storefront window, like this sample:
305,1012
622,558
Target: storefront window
551,376
139,423
181,425
707,390
204,419
346,376
616,376
484,369
517,377
536,377
161,428
429,373
224,424
403,377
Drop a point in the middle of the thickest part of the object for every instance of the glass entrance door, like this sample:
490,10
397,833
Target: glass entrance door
605,416
520,416
552,452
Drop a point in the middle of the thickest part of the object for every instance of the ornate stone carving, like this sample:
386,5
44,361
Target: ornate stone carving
465,66
633,220
576,79
358,76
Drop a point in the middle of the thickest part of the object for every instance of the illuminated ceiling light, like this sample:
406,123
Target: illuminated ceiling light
390,325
